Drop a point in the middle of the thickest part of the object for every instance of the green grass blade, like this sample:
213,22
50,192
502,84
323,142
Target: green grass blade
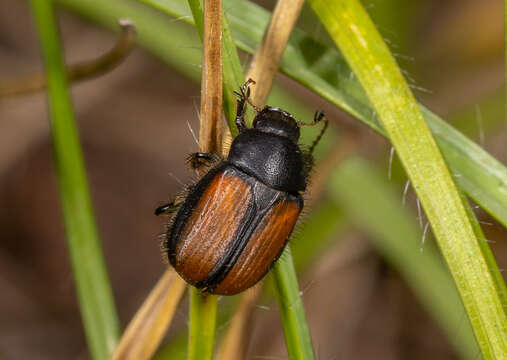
292,312
202,323
353,31
321,69
374,206
233,75
93,289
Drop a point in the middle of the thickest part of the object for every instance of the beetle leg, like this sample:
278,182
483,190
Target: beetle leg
242,96
198,160
167,209
240,112
243,99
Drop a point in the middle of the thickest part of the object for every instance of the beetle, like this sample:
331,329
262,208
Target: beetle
233,224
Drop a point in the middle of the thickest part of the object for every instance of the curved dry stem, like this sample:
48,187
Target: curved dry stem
80,71
234,344
147,328
265,63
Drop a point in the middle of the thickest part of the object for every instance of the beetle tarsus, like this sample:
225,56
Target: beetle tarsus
167,209
199,160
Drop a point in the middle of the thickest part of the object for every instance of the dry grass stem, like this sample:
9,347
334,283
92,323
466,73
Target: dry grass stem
265,64
266,61
210,134
147,328
80,71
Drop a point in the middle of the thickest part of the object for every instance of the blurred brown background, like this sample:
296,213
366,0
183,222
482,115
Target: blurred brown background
134,131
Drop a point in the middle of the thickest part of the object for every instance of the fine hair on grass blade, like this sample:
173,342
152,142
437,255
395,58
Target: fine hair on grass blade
354,33
93,289
372,204
80,71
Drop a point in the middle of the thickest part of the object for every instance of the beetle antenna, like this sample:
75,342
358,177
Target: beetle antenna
317,117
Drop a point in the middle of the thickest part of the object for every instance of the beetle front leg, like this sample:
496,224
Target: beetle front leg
199,160
241,110
243,99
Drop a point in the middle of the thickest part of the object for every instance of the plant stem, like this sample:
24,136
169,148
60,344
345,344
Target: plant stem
202,323
292,312
80,71
93,289
368,56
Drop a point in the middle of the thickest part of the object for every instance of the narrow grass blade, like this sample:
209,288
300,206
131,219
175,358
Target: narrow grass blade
374,207
202,322
292,312
93,289
354,33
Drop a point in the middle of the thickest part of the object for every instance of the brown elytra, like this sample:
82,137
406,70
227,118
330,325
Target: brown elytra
263,247
236,230
211,227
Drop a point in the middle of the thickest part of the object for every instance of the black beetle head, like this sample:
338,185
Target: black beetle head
277,121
